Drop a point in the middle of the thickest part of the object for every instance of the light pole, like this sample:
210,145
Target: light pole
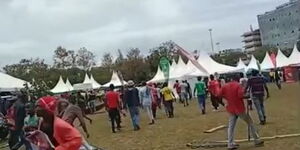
211,40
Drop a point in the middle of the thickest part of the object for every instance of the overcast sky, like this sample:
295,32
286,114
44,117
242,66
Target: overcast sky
34,28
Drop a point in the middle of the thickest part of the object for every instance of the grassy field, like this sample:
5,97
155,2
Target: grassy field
283,117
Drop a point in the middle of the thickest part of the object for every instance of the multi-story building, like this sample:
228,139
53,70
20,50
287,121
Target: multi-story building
252,40
281,27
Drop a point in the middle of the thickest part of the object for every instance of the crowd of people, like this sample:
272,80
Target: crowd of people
54,116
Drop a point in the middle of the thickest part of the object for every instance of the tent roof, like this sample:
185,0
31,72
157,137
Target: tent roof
281,59
159,76
295,56
115,80
241,64
87,79
252,64
69,85
95,84
8,82
212,66
267,62
179,69
60,87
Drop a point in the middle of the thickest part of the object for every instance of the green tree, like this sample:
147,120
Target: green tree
85,58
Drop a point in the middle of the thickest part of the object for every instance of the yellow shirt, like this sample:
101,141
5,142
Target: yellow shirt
167,93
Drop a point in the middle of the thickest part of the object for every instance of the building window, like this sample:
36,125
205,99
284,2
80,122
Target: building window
270,19
290,13
293,31
273,19
277,44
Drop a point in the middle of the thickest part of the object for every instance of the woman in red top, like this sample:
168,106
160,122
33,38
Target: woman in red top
60,133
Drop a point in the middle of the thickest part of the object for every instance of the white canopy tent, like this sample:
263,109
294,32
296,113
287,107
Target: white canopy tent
159,76
241,65
179,70
252,64
69,85
95,84
60,87
212,66
115,80
267,63
87,79
10,83
281,60
294,58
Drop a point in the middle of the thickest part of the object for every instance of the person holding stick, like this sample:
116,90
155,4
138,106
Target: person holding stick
233,92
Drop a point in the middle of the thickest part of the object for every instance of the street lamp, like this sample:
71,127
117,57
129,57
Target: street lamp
211,40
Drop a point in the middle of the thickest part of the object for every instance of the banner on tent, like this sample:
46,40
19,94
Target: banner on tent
165,67
290,74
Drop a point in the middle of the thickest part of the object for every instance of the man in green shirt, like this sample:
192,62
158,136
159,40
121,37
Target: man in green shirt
200,90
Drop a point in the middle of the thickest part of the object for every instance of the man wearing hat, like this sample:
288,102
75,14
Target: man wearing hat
132,102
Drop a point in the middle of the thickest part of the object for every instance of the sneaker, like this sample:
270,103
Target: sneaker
234,146
152,122
262,122
259,144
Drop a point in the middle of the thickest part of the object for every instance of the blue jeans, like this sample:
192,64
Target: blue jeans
259,105
135,116
201,101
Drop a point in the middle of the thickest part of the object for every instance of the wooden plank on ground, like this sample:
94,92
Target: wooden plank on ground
215,129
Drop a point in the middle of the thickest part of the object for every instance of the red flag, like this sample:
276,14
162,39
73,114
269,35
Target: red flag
273,58
191,58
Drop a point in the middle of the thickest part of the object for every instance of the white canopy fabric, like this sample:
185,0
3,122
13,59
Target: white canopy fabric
8,83
281,60
267,63
294,58
192,69
69,85
159,76
95,84
179,70
241,65
87,79
115,80
60,87
212,66
252,64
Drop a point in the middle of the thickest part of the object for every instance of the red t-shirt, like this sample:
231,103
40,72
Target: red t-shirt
177,87
233,92
214,87
112,99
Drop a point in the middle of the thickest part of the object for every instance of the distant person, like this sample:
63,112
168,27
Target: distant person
132,101
233,92
146,101
69,113
184,93
243,83
272,76
178,90
257,87
31,122
278,79
82,105
17,113
156,99
168,98
213,88
200,90
112,101
189,90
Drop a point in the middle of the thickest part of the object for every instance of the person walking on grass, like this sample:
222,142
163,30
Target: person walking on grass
146,101
156,100
184,94
243,82
168,97
178,90
214,88
112,101
233,93
257,87
200,89
189,90
132,101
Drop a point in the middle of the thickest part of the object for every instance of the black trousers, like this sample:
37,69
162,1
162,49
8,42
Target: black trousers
170,108
215,101
115,117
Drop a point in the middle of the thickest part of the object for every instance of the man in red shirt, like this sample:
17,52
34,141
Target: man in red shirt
112,100
214,88
178,90
233,92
